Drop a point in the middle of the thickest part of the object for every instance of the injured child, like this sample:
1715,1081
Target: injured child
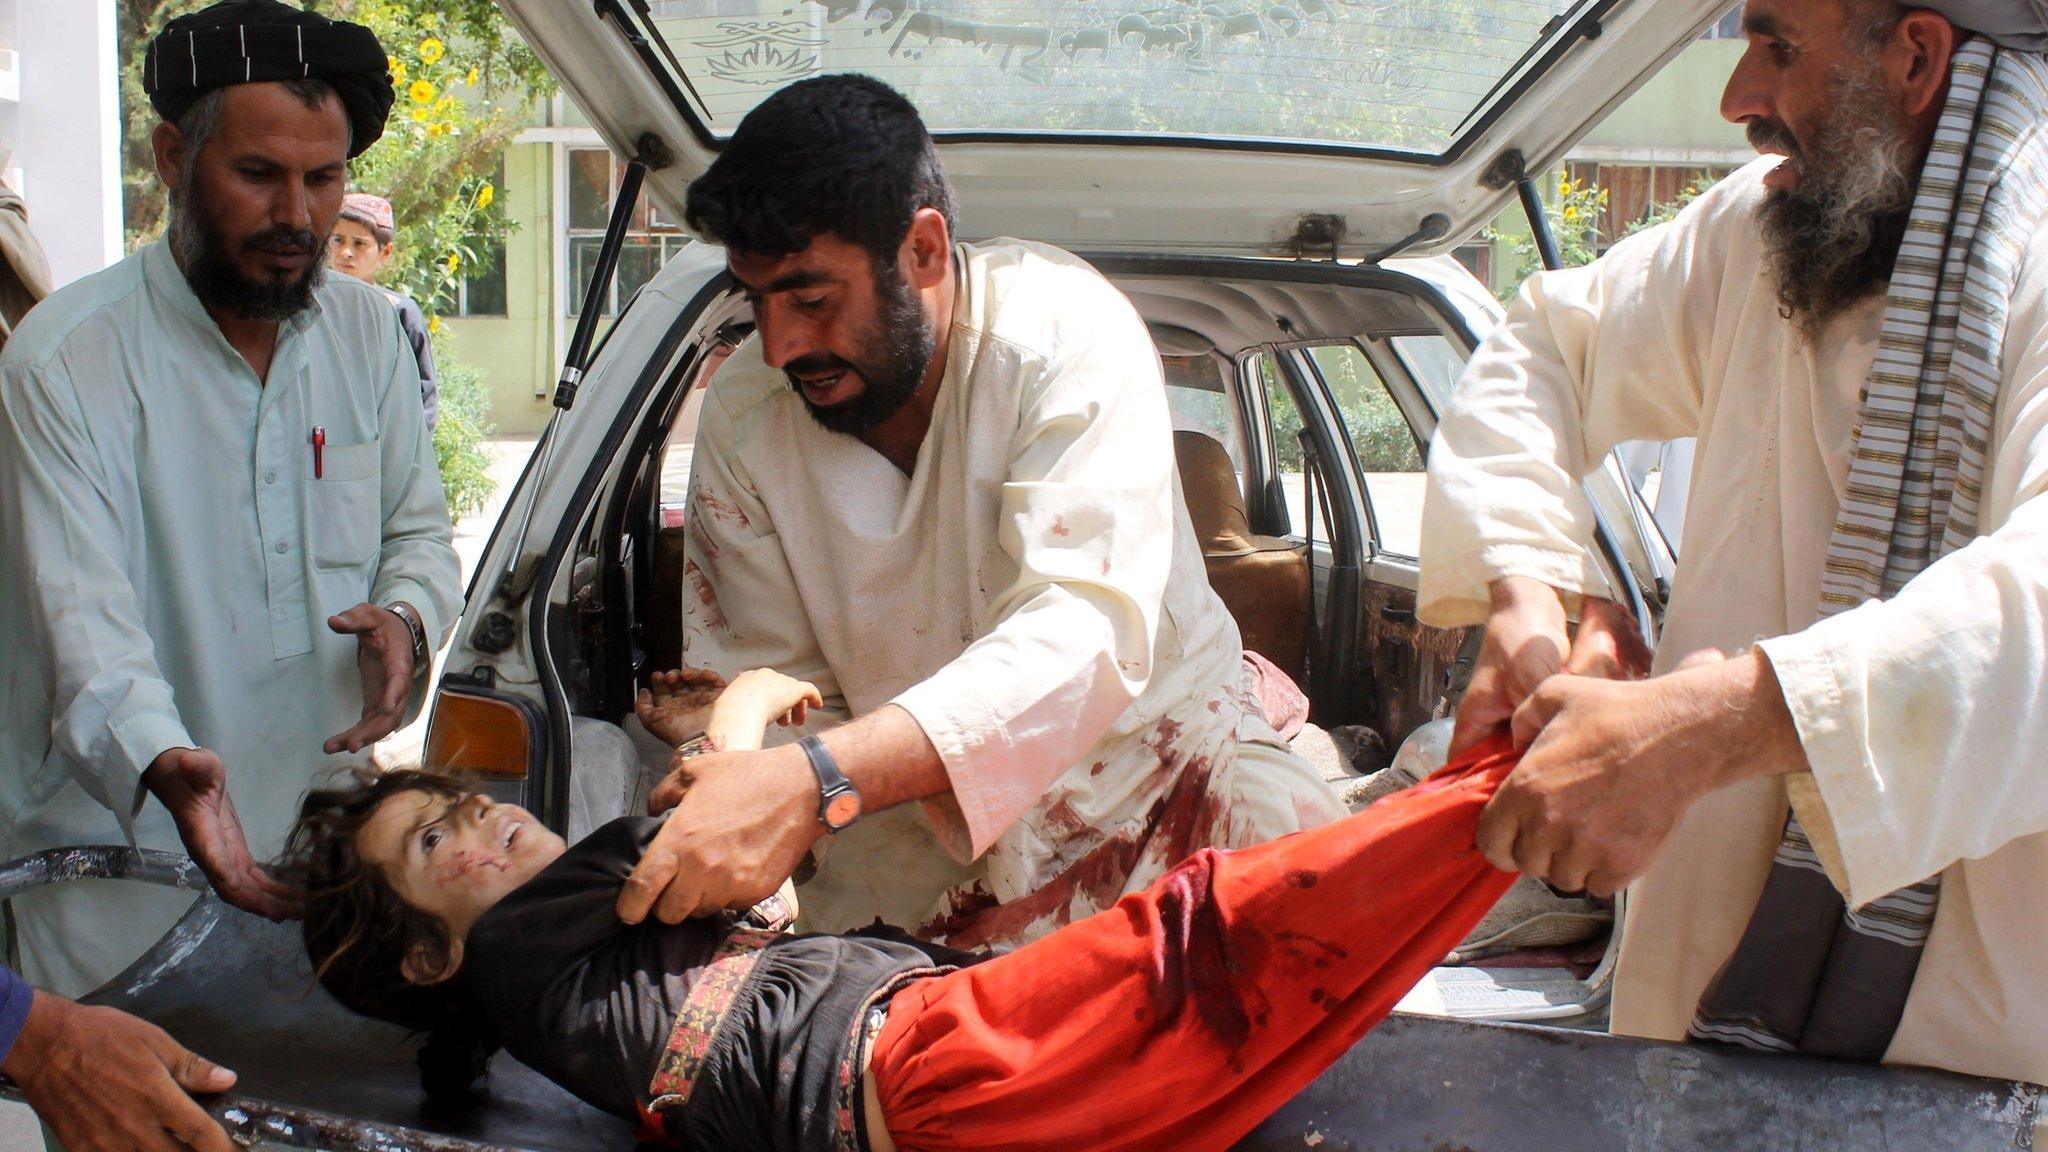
1179,1018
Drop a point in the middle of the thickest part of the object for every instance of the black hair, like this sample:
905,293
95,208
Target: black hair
844,154
359,931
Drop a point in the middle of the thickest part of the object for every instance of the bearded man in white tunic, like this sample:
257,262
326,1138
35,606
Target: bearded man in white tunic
1837,835
227,549
938,482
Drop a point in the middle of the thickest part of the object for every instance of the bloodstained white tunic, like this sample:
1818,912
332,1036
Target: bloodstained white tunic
1031,594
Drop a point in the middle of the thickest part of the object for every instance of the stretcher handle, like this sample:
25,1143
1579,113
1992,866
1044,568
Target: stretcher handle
99,862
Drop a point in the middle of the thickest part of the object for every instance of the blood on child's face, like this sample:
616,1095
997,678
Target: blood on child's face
455,859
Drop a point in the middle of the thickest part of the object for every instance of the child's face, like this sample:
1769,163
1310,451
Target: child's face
455,859
353,248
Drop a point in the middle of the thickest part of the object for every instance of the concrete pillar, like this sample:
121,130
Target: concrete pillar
64,127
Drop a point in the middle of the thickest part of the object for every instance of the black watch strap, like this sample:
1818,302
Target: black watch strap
839,802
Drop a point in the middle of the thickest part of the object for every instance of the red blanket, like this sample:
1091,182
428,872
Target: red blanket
1189,1012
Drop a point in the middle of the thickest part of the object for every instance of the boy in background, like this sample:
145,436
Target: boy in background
360,245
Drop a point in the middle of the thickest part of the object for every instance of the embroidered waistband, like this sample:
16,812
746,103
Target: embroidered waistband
710,998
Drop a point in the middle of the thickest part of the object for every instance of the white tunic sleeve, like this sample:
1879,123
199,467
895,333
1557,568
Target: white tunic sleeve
1087,514
112,711
1923,717
1587,358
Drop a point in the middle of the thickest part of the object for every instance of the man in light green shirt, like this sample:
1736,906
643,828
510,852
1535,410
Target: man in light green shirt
226,548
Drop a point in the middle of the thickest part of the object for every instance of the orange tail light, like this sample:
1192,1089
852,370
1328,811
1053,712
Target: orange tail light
484,735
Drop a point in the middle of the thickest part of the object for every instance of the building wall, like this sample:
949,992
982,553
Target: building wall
517,352
60,117
1676,117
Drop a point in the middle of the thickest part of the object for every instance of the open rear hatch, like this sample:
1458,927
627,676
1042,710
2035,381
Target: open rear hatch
1318,128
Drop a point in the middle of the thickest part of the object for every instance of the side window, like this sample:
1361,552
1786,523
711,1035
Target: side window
1283,419
1388,456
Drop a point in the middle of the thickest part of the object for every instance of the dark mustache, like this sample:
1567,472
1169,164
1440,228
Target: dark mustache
282,241
816,364
1769,135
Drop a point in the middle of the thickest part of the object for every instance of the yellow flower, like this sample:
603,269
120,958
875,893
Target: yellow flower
485,195
1571,213
472,78
437,129
433,325
431,50
398,72
391,64
454,263
419,115
1564,186
422,91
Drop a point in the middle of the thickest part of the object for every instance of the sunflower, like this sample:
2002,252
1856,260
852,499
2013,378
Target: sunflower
422,91
431,50
485,195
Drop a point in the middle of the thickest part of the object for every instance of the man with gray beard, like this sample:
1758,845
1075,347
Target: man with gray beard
1828,804
227,549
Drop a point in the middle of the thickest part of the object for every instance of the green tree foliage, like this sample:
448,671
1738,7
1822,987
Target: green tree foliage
1379,433
1574,215
1574,218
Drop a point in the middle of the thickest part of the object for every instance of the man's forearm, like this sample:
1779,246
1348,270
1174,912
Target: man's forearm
889,758
1739,721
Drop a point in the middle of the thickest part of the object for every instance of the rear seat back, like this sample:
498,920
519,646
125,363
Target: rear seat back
1263,580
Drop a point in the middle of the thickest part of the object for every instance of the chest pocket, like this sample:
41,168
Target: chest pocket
344,521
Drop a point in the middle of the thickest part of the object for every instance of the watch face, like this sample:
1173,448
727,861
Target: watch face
842,810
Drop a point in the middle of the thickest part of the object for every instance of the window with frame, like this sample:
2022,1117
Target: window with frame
1389,458
651,238
482,292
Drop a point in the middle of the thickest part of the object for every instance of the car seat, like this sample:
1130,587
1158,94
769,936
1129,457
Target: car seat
1263,580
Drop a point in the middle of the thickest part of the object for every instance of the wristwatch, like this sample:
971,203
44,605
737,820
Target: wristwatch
838,799
695,746
414,628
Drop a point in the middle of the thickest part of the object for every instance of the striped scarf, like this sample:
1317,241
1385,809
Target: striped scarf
1810,974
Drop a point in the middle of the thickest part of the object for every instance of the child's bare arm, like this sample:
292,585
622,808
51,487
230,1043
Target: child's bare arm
742,713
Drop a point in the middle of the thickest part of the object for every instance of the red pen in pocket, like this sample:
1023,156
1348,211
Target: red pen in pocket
319,442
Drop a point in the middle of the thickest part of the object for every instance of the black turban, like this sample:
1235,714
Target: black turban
254,41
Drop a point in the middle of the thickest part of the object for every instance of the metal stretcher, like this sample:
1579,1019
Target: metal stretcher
313,1075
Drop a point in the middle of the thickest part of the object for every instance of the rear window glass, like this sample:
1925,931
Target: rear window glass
1397,74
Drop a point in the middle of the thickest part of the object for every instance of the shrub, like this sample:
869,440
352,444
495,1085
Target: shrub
464,425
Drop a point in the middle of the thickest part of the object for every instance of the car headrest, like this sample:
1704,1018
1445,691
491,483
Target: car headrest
1215,502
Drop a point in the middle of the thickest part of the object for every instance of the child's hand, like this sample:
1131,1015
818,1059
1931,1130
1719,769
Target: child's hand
755,698
677,705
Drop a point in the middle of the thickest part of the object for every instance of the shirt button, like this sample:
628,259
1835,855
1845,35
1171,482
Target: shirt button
282,547
270,477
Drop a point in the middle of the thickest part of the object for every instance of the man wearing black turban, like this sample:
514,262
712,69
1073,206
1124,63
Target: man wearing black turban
228,548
